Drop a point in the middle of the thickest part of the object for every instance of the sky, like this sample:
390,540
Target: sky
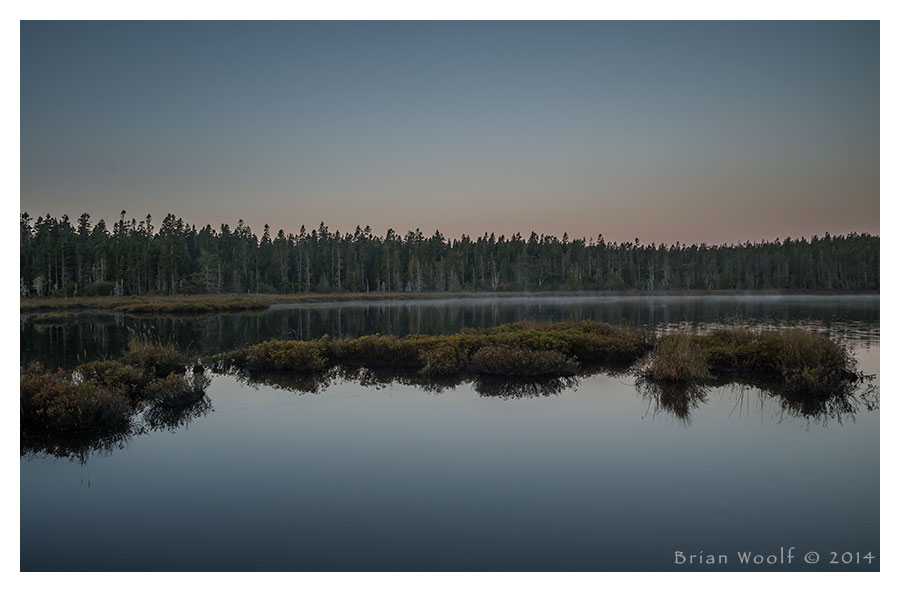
714,132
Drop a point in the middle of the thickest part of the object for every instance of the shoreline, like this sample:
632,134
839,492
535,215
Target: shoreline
219,303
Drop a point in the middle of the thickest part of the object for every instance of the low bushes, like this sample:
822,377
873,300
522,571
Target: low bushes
794,360
518,349
375,350
513,361
154,359
105,394
53,402
277,355
114,375
443,359
800,360
176,390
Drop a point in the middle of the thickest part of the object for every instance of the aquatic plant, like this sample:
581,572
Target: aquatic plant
49,318
804,366
525,349
515,361
114,375
106,394
676,358
443,359
176,390
155,359
52,401
790,360
277,355
193,306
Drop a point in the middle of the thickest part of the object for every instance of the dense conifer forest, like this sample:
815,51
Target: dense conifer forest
62,258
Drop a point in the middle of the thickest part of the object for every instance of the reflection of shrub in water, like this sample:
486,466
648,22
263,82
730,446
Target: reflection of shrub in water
303,383
681,399
523,389
171,418
77,446
177,390
80,445
677,398
839,405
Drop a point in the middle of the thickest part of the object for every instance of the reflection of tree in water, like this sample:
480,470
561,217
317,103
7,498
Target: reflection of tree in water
680,400
79,446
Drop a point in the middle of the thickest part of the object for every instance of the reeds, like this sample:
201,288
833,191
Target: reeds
803,362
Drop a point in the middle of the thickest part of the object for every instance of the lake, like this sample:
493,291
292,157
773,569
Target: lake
366,472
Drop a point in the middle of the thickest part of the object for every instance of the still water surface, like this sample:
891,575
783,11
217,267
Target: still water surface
591,475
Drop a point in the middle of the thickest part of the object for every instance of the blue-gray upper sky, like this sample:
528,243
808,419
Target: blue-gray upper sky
690,131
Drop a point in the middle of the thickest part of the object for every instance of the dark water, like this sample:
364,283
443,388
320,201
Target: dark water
378,475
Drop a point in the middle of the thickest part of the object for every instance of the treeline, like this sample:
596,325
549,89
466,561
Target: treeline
58,258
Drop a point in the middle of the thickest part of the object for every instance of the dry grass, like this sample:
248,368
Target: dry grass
802,362
677,358
198,304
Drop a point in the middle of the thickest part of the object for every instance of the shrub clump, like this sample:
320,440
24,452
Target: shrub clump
105,394
589,341
443,359
376,350
677,358
512,361
799,360
802,360
792,360
176,390
298,356
154,359
114,375
444,355
54,402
